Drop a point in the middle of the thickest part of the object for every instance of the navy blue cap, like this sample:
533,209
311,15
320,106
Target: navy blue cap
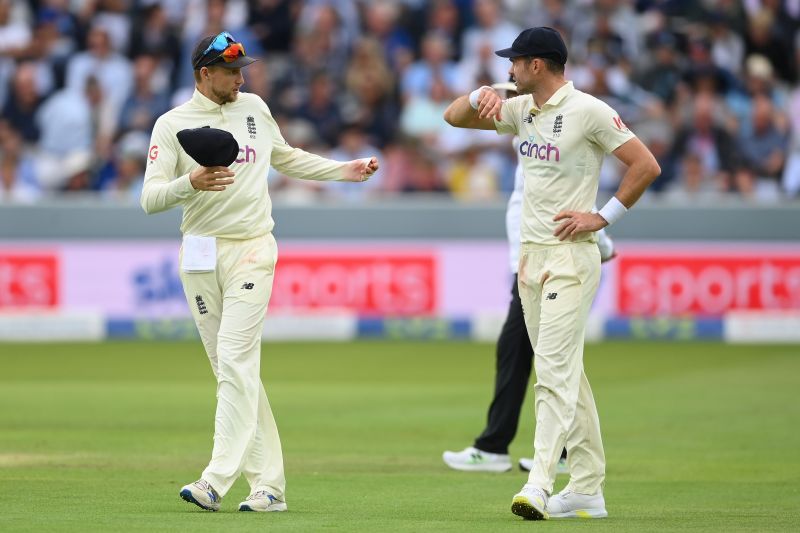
541,41
211,147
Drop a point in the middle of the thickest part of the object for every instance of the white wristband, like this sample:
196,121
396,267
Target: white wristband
473,96
613,210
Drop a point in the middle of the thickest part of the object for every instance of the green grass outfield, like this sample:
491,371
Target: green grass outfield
100,437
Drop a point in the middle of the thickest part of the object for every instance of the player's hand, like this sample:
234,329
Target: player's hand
576,222
489,103
360,169
211,178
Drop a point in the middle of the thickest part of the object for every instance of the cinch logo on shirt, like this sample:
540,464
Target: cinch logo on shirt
247,151
542,152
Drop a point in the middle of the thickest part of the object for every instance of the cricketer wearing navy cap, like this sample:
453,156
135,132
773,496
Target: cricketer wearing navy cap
537,42
565,135
211,156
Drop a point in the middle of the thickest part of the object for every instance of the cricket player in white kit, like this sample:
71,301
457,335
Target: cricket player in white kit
489,452
564,135
228,259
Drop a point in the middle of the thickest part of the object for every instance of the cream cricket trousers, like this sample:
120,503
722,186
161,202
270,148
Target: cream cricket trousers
228,306
557,284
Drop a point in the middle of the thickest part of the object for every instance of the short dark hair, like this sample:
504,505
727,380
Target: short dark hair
553,66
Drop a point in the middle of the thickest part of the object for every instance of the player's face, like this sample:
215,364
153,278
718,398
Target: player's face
525,71
225,84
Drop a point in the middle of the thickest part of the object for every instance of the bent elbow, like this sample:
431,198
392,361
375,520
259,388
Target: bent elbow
146,207
448,116
655,170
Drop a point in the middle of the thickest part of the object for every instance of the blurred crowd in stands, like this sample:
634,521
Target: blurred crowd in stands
711,86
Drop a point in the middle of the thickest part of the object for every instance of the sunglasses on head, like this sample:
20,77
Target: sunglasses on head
225,43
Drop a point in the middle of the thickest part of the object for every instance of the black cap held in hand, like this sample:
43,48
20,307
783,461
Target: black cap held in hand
537,42
211,147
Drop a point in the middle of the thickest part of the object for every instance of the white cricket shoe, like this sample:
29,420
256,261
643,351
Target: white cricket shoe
262,502
474,460
530,503
526,463
202,494
568,504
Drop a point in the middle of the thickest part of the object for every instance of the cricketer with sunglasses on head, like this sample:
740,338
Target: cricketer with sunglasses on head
228,257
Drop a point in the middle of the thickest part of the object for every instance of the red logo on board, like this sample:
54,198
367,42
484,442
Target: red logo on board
707,284
28,280
394,284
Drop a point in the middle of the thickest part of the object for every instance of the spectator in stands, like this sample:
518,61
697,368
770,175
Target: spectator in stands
15,34
424,173
155,35
766,36
662,74
491,32
381,21
332,30
273,23
128,165
23,102
703,151
321,108
112,70
149,99
758,79
444,20
17,171
727,47
763,154
422,115
370,86
791,175
72,121
435,63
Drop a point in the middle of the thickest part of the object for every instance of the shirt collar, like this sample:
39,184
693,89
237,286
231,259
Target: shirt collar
556,99
200,100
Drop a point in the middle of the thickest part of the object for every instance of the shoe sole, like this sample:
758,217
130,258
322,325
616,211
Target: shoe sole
247,508
522,506
187,495
585,514
480,468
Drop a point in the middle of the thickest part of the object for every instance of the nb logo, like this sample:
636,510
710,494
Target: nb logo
551,296
248,286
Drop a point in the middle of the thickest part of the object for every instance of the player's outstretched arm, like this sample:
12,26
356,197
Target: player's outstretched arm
462,114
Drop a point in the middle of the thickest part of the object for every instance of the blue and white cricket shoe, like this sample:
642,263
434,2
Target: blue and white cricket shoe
202,494
262,502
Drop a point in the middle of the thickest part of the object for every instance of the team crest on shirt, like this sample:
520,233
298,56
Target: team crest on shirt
251,126
557,125
528,118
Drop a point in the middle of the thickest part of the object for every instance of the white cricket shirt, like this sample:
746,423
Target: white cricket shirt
561,148
244,209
